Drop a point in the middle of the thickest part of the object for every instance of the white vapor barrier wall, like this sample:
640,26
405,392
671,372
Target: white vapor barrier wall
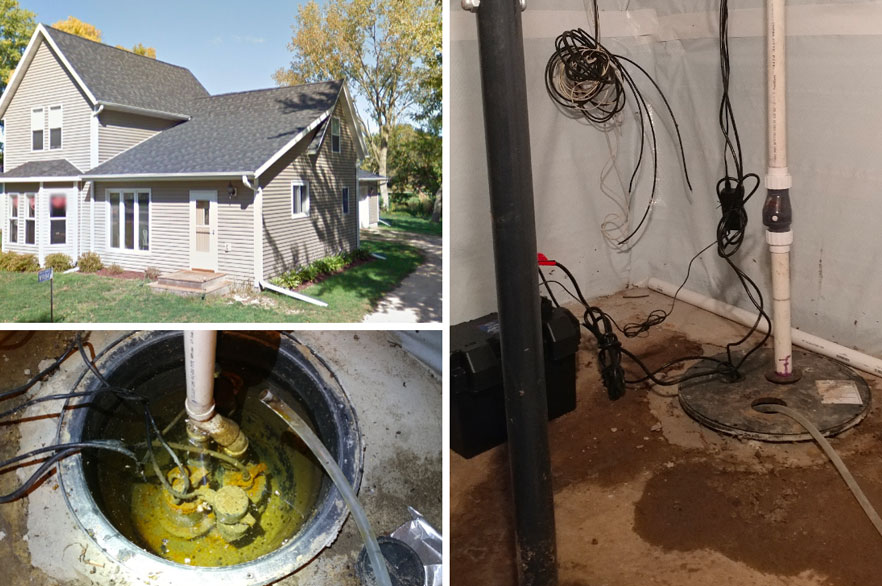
834,53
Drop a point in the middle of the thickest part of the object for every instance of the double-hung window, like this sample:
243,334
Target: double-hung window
129,222
56,121
37,129
57,218
335,135
30,218
299,198
13,218
345,200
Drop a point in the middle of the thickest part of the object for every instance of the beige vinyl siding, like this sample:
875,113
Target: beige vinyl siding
119,131
290,242
45,84
84,242
170,227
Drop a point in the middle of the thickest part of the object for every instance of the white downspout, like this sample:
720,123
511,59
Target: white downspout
777,214
258,228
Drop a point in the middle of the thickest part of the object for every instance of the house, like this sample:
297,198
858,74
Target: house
369,198
131,158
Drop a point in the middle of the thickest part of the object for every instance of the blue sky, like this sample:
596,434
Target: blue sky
228,45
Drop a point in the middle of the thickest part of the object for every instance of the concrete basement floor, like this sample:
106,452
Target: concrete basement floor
398,403
644,495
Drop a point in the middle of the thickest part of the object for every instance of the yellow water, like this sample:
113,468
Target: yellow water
136,508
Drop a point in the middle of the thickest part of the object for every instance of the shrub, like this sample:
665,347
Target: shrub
90,262
58,261
115,269
18,263
152,273
322,266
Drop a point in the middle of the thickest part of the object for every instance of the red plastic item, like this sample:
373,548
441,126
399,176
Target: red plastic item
544,262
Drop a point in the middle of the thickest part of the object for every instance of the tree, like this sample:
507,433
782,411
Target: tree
140,49
75,26
386,49
16,27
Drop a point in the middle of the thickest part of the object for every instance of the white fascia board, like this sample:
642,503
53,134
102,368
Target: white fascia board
353,116
73,73
69,179
23,64
167,176
312,126
143,111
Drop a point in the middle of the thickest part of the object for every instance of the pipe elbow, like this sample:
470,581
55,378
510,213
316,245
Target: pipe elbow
226,433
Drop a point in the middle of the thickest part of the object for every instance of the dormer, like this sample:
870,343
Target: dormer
84,102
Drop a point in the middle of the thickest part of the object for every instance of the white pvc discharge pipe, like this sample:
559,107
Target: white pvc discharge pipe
776,212
818,345
199,357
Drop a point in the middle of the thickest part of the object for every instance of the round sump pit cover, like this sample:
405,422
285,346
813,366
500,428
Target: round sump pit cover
831,395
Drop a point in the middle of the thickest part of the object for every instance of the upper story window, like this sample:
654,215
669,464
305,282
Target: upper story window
37,129
13,218
57,218
299,198
335,135
345,200
129,219
56,121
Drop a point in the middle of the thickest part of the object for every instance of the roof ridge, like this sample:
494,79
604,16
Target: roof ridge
152,59
270,89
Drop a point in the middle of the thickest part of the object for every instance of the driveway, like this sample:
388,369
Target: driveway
418,298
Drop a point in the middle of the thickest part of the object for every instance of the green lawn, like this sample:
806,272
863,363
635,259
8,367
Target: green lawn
404,222
90,298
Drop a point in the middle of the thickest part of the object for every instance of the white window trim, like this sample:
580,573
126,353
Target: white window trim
339,135
122,249
48,133
348,207
304,184
43,129
17,217
67,219
27,219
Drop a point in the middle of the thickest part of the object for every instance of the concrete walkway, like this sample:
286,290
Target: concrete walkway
418,298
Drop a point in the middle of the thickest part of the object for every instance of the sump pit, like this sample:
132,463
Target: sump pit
293,511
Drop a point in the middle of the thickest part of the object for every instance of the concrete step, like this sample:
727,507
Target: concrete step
214,289
198,281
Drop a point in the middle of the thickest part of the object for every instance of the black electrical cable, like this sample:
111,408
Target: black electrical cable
39,376
583,76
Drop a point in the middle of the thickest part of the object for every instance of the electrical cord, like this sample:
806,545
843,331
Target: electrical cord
62,450
583,76
840,466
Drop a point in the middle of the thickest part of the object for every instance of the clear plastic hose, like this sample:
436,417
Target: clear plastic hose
862,499
302,429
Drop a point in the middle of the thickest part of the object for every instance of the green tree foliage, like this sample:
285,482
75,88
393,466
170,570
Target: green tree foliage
75,26
16,27
388,50
415,161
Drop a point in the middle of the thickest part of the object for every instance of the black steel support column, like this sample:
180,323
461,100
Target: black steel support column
503,78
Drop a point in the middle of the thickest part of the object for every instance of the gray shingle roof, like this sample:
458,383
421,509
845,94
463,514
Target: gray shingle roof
228,133
53,168
121,77
368,176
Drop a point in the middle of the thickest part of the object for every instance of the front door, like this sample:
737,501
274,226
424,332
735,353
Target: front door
203,230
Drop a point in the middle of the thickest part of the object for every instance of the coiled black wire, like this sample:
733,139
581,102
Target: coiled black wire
583,76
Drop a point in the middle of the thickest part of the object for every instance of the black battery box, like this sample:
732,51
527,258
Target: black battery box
477,410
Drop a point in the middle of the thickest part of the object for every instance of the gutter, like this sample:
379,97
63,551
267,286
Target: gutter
165,176
142,111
